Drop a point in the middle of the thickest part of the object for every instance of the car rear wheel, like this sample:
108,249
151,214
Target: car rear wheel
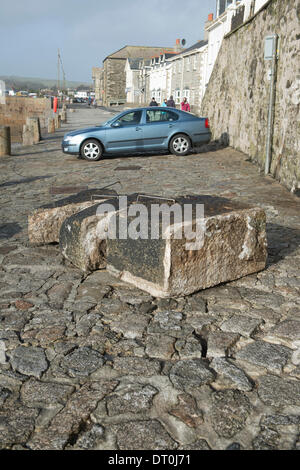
180,144
91,150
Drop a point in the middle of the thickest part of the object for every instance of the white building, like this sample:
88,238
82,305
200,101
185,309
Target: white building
133,71
160,77
188,71
226,11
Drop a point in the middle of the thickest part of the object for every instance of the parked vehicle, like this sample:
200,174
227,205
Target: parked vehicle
140,130
78,100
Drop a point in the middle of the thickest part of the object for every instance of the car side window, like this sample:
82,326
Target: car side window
160,116
131,118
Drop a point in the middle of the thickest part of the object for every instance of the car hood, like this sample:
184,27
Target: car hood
84,131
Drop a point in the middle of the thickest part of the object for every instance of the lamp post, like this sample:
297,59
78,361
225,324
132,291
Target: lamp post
271,54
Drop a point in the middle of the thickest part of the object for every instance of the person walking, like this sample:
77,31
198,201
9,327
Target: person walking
185,105
164,103
153,102
171,102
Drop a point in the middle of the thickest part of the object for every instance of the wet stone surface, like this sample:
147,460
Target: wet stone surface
88,362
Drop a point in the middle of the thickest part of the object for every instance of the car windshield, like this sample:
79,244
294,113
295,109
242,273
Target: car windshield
132,117
107,122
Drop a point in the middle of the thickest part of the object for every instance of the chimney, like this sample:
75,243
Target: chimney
210,19
177,47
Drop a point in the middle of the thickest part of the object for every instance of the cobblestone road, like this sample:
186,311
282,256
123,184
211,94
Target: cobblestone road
95,364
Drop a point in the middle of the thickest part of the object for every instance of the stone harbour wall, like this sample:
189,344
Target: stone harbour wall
16,109
237,96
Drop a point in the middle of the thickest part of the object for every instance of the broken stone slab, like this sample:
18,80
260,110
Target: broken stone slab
82,240
231,243
45,222
79,242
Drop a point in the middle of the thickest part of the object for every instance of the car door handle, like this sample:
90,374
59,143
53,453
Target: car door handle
138,128
171,125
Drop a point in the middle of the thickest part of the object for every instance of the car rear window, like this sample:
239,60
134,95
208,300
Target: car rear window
160,116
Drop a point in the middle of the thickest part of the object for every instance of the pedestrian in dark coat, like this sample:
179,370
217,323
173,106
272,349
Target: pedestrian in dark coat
153,102
171,102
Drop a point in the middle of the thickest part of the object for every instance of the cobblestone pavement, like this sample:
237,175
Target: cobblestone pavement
92,363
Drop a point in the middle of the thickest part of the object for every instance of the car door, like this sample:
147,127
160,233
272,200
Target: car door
159,126
125,133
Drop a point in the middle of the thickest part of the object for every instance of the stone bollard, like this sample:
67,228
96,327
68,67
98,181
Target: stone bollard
33,123
63,116
57,121
51,125
5,145
27,138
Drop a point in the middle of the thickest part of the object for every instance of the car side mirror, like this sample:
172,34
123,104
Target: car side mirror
116,124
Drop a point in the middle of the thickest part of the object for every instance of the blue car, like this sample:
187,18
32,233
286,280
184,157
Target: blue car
140,130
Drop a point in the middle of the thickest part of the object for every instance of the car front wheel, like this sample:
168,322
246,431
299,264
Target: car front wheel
180,144
91,150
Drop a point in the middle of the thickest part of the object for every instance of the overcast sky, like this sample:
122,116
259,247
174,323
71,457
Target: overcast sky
86,31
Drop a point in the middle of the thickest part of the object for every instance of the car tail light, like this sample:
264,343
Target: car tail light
206,123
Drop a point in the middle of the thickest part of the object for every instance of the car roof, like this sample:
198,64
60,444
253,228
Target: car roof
155,108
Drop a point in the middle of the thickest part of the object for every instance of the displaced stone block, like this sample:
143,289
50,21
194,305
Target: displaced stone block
82,240
45,222
231,243
79,242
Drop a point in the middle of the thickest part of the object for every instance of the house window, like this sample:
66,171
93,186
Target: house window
195,62
177,96
179,65
188,64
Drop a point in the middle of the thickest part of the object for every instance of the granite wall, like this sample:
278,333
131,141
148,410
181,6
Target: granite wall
16,109
237,96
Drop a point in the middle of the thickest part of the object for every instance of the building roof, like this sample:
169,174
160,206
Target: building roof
195,46
137,52
135,64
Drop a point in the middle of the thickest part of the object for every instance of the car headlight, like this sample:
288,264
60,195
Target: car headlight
72,139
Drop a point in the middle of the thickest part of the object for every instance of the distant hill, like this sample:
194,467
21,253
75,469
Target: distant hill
34,83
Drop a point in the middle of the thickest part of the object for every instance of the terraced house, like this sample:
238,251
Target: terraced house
114,75
188,75
179,73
